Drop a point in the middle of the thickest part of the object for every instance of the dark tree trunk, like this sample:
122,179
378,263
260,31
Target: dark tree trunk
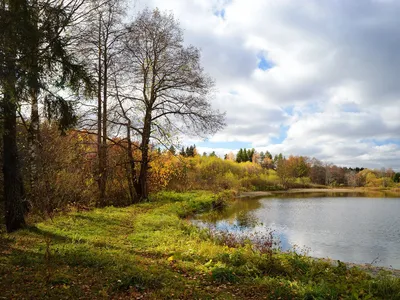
12,179
142,187
131,168
13,192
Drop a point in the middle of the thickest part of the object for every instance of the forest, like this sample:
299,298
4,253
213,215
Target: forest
98,185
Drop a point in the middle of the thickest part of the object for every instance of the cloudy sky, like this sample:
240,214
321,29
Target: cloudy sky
315,78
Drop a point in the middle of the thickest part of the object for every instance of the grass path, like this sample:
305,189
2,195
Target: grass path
151,251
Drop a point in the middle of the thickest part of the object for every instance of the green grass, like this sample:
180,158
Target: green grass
152,251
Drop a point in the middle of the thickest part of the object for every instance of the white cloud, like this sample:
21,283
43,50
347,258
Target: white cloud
335,66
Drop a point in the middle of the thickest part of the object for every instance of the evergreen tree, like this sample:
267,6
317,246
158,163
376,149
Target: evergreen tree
396,177
250,154
262,156
172,150
239,156
195,151
190,151
182,153
244,155
34,56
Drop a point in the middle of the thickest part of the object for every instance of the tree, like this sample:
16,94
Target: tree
168,86
396,177
298,166
191,151
317,171
182,152
172,150
10,43
230,156
250,154
99,43
256,157
239,156
283,171
48,65
245,155
33,57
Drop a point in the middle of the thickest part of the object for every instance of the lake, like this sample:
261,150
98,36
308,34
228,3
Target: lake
347,227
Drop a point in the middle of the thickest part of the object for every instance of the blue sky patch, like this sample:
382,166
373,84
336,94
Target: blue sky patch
220,13
225,145
289,110
263,63
350,107
311,108
282,135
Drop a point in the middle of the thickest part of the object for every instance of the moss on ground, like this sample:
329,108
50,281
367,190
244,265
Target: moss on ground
151,251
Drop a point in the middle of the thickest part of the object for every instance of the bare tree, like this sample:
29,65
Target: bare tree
99,43
123,120
168,88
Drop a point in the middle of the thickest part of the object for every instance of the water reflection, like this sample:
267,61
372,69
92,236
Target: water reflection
246,219
349,228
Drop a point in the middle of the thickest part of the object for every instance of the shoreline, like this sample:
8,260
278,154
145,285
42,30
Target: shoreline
369,268
292,191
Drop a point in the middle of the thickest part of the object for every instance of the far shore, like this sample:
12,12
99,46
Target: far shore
317,190
311,190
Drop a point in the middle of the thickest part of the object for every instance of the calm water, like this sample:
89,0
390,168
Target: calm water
349,228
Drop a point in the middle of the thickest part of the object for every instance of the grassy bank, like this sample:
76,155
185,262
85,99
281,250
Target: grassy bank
151,251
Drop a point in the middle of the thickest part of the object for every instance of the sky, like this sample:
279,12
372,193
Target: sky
313,78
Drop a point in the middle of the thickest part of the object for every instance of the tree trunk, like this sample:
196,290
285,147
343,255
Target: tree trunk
13,192
12,180
131,169
143,192
104,137
34,142
100,156
34,89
